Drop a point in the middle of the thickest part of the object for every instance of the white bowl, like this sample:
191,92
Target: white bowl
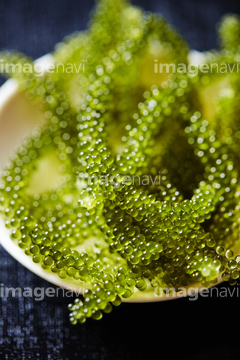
17,118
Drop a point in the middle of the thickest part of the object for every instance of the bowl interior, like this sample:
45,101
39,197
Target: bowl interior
18,117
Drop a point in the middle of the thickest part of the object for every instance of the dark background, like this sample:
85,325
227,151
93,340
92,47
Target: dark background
198,330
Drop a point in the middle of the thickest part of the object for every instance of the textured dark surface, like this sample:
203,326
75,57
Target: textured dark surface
29,329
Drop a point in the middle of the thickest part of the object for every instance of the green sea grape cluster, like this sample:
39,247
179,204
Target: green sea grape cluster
112,123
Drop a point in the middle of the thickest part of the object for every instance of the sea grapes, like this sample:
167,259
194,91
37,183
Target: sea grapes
109,125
